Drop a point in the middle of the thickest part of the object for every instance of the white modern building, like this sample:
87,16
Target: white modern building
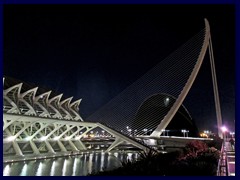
36,121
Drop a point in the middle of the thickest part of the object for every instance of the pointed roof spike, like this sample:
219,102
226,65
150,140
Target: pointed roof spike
34,90
68,100
56,98
13,87
42,95
77,102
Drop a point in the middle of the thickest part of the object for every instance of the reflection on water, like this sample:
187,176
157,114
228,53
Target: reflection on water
79,165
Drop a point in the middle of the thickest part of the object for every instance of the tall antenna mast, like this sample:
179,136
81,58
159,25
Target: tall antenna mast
215,89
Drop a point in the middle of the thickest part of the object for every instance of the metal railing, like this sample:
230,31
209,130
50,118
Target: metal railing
222,169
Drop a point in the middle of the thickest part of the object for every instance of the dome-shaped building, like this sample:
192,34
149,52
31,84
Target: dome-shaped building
153,110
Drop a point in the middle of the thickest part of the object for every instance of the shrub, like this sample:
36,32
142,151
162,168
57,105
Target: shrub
196,160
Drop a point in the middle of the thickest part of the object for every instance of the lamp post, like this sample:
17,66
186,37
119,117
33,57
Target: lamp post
145,131
135,132
224,130
183,131
167,131
130,132
103,133
232,134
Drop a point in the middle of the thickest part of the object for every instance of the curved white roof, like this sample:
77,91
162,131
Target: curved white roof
27,103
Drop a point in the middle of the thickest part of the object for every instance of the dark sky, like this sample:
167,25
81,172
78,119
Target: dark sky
94,52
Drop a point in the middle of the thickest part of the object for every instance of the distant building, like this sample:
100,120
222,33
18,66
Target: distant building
153,110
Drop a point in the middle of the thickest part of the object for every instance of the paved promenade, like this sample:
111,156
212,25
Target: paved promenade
230,157
227,161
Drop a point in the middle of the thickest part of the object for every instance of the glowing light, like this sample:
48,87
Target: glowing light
224,129
67,138
204,135
56,138
11,138
43,138
6,170
76,138
91,135
85,136
28,138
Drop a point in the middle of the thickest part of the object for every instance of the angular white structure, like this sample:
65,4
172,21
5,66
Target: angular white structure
35,124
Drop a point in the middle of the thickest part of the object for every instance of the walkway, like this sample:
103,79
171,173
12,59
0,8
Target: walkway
230,155
227,162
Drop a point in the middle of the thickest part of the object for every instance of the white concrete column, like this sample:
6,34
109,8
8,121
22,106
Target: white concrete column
49,147
34,147
74,148
17,148
61,146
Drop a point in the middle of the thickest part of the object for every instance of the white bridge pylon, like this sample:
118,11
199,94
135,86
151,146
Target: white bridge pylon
171,113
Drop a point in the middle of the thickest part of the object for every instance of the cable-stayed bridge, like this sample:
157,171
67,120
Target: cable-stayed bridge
37,121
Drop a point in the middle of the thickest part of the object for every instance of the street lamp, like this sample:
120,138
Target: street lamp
224,130
232,134
127,129
167,131
145,131
103,133
130,130
135,132
184,131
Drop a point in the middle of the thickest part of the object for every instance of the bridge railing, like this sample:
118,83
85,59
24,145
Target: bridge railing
222,169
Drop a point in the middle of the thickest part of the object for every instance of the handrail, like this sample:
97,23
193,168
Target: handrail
223,162
219,168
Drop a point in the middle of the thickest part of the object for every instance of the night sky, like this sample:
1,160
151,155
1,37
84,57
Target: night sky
94,52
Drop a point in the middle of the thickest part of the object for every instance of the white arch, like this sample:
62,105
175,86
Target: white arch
167,119
31,110
13,102
43,106
64,106
55,100
74,108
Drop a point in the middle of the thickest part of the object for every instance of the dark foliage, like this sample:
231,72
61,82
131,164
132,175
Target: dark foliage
196,160
216,142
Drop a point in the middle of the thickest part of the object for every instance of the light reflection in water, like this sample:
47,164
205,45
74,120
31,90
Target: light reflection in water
75,166
7,170
129,156
90,163
24,170
79,165
40,168
102,162
64,167
53,168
